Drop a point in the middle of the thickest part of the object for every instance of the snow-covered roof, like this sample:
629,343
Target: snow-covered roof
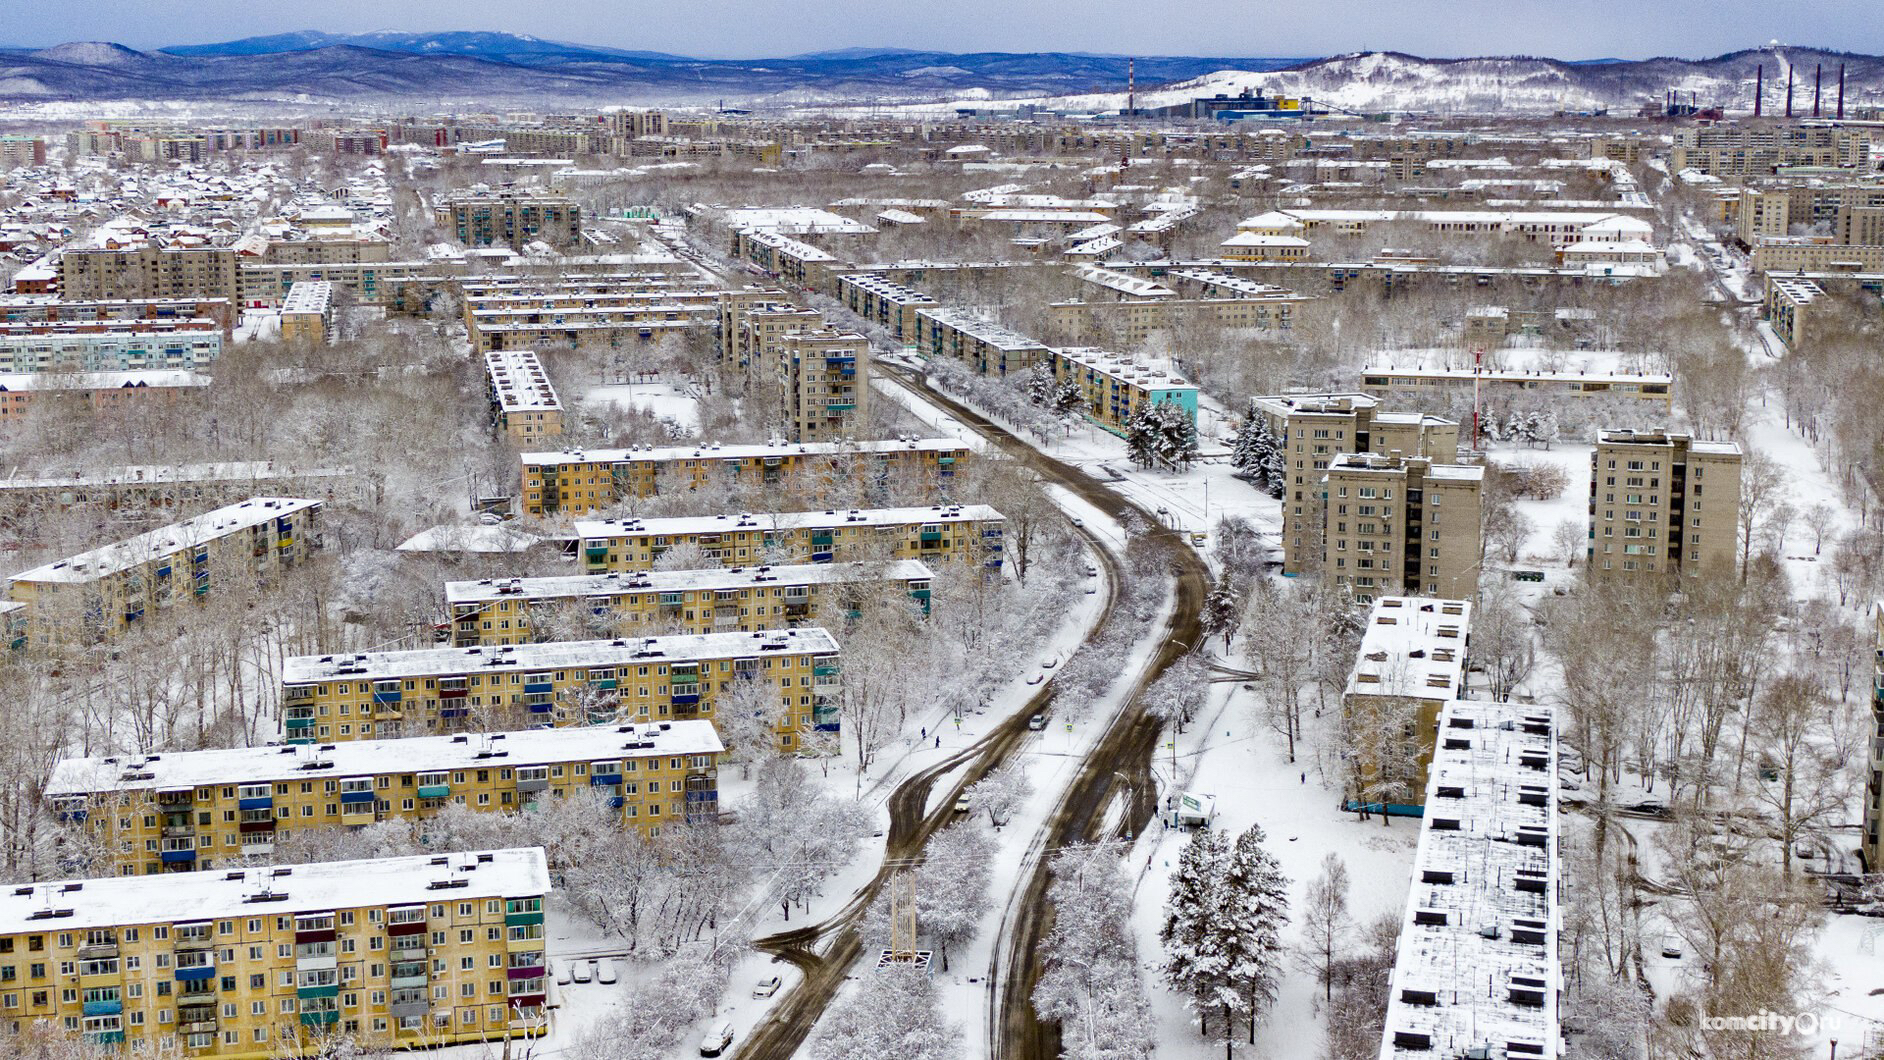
631,651
1264,239
321,887
587,586
358,758
1124,283
518,381
600,529
1135,371
153,474
479,539
886,288
1476,965
167,540
137,379
984,330
665,453
795,220
1413,647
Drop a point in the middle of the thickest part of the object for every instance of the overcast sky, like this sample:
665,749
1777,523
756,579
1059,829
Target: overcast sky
1571,29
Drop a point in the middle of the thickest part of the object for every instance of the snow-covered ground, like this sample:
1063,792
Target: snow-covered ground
1229,754
667,400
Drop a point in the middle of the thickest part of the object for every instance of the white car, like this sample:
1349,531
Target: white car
606,974
767,987
717,1040
562,975
582,971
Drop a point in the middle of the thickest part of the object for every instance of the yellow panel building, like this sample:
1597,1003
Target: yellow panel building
971,532
499,611
260,964
193,810
336,698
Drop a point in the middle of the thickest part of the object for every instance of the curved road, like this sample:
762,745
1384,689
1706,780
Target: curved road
1124,751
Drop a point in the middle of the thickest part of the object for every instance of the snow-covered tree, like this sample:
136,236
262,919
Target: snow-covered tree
1254,910
1162,435
1195,961
1223,610
1325,922
894,1014
1090,982
1000,793
952,885
791,822
1179,692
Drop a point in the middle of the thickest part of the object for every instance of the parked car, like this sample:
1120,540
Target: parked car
1049,662
1092,570
1038,721
606,974
717,1040
582,971
961,803
562,974
767,987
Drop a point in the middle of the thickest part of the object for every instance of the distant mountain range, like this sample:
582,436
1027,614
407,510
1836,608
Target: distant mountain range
471,68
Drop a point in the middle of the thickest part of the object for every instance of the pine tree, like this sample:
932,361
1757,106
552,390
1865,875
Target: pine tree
1040,386
1247,453
1195,964
1067,398
1255,909
1141,443
1275,469
1222,609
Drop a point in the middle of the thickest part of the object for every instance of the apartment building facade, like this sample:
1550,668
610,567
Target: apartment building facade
524,405
264,963
1411,662
1445,387
194,811
649,680
825,377
971,533
1313,429
714,600
1395,524
889,305
91,274
576,482
114,346
513,219
985,347
1651,518
307,314
107,591
1114,387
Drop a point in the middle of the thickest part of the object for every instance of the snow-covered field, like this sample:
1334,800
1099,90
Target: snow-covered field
666,400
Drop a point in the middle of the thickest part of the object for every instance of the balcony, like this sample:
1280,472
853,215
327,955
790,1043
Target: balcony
434,791
322,1019
97,951
103,1008
177,857
357,798
260,802
311,992
408,1009
202,973
523,919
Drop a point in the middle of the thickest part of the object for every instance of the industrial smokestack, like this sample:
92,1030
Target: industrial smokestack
1131,87
1841,91
1818,83
1759,88
1789,90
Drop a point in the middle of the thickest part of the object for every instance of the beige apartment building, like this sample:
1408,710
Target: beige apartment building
1395,524
825,381
1650,514
148,272
1313,429
513,219
1411,662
